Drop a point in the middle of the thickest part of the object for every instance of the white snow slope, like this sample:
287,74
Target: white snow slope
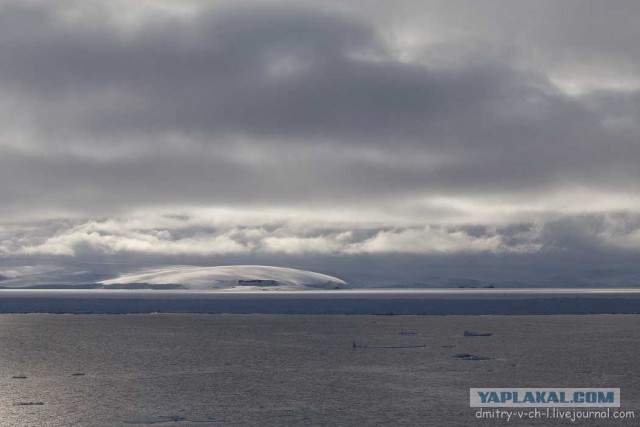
237,277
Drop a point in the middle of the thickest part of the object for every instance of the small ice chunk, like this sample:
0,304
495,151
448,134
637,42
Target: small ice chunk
477,334
388,345
156,419
467,356
159,419
206,419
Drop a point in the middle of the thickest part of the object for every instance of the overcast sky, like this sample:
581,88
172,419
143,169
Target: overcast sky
381,142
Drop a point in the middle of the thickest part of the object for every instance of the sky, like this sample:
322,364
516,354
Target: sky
406,142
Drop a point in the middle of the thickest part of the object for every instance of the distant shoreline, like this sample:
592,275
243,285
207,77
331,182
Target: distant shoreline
380,302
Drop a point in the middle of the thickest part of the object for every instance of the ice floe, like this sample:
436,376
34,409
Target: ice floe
387,345
160,419
477,334
467,356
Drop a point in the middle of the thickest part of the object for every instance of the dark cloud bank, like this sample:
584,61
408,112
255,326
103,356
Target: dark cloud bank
294,136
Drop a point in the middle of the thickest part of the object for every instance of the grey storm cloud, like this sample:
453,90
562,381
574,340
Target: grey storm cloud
471,131
295,81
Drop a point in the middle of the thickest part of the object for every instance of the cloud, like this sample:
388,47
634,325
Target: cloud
278,104
187,237
568,250
427,240
293,133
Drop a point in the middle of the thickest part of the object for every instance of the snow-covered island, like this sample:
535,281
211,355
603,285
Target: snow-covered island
277,290
231,277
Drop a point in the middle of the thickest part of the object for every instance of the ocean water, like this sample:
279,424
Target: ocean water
362,301
273,370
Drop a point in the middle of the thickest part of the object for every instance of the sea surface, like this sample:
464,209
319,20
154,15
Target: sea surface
297,370
362,301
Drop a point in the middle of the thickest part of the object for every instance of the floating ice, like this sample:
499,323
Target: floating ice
388,345
156,419
467,356
159,419
477,334
206,419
